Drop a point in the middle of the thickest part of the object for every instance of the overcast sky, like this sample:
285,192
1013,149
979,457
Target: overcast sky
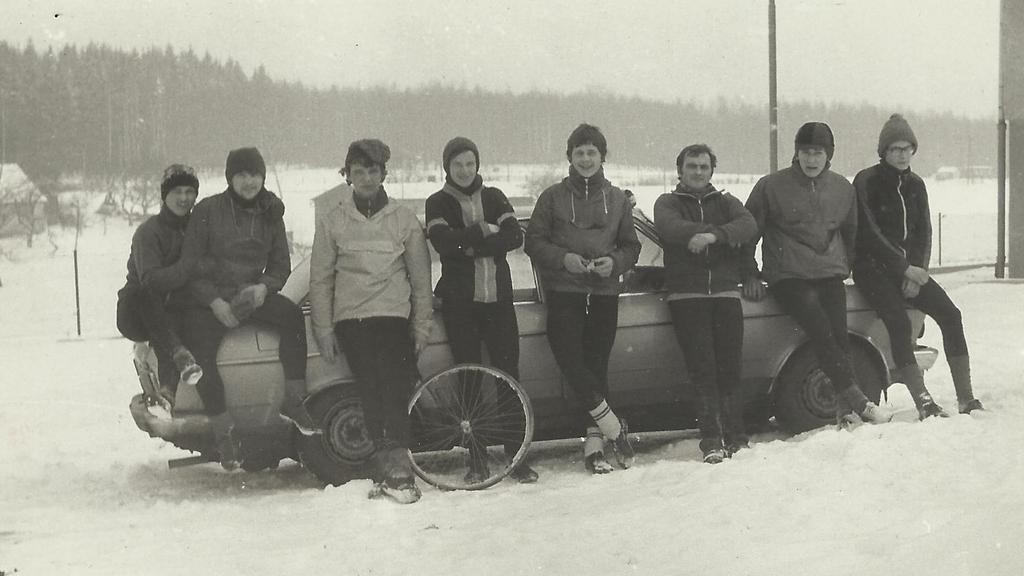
905,55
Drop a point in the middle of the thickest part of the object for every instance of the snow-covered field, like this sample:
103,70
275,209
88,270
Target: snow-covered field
82,491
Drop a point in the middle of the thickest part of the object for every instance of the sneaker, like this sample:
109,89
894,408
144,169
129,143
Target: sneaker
929,408
968,406
714,456
597,464
524,474
622,448
875,414
190,370
293,410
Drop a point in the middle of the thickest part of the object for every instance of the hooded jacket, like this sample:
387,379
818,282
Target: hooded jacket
809,225
369,267
245,244
586,216
473,263
683,214
895,228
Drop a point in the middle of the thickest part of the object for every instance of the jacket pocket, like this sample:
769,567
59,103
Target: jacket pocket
368,257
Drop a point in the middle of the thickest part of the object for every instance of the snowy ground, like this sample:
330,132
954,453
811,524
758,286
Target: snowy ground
82,491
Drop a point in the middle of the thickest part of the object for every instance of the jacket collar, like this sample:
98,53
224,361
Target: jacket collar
172,220
580,186
682,190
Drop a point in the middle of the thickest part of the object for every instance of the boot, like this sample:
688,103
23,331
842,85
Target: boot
293,407
223,426
867,410
912,377
734,431
960,369
713,451
187,366
593,453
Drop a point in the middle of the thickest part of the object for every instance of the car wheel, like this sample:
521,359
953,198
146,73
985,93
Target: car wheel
343,451
804,398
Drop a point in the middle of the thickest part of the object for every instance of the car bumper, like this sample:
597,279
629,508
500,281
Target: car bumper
925,356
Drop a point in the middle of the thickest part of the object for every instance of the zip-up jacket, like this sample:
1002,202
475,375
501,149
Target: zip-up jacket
586,216
244,245
473,263
895,229
369,267
684,213
809,225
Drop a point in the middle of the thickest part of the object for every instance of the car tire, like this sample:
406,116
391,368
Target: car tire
344,450
804,398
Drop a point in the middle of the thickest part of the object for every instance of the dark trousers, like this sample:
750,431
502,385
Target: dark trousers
886,297
493,324
710,334
380,353
203,335
144,316
581,332
819,307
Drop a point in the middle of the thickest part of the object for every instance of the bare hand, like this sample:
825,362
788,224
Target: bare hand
222,311
910,288
328,347
753,289
494,228
259,294
574,263
916,274
701,241
602,266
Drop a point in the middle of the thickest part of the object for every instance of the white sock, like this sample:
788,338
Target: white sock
594,442
606,420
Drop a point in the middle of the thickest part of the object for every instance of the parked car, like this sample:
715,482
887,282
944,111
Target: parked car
648,383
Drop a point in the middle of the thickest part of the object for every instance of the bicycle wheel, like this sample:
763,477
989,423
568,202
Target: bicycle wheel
471,426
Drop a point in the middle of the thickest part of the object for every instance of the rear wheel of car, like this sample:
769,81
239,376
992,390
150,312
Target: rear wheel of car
471,426
804,398
343,451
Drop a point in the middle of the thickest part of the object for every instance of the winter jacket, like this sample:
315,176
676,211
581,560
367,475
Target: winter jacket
473,263
245,245
369,267
684,213
809,225
895,227
156,248
586,216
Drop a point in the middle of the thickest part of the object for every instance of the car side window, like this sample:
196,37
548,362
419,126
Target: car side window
649,273
524,283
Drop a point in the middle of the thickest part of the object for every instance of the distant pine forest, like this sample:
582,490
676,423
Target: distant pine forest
100,112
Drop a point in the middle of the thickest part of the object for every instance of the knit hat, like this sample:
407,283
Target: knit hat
586,134
177,175
370,149
245,160
896,128
457,146
816,134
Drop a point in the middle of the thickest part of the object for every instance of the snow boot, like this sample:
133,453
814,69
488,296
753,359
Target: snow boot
912,377
223,426
593,453
960,369
190,370
293,408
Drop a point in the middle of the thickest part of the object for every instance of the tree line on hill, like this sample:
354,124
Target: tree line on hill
119,116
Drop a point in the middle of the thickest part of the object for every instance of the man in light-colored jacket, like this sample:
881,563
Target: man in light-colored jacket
370,287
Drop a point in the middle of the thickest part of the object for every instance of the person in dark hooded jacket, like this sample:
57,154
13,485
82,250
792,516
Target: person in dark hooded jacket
241,231
807,217
701,229
150,306
894,242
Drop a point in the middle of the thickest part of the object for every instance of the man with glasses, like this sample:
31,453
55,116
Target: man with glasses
893,248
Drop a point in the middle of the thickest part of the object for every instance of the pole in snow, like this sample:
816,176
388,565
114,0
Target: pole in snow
773,103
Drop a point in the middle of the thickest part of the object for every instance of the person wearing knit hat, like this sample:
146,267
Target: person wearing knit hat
891,270
150,306
807,219
241,233
582,240
472,227
369,290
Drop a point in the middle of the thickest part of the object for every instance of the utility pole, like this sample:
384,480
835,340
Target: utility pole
773,102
